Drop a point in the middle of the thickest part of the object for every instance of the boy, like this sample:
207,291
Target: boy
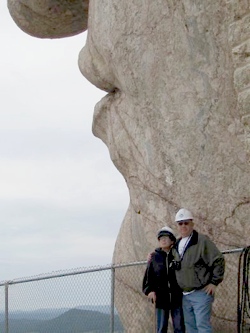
159,283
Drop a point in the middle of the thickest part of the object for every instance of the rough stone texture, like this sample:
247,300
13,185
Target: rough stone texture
176,119
50,18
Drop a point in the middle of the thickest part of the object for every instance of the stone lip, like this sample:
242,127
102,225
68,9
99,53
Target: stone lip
50,19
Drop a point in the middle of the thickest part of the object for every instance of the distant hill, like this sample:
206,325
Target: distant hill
71,321
50,313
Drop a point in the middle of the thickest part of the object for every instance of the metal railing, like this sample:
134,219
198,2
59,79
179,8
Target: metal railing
99,299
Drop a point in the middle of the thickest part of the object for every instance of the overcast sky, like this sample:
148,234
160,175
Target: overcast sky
62,201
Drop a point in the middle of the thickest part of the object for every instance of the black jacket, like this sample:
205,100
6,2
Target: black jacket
161,279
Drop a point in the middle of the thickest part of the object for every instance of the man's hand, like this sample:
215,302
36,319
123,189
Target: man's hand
152,297
210,289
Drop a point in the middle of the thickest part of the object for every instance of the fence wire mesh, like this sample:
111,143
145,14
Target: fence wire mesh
99,299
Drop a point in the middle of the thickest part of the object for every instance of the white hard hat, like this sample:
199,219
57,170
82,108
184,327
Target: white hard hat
183,214
166,231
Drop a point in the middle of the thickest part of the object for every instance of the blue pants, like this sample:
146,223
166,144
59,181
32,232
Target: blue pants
177,319
197,308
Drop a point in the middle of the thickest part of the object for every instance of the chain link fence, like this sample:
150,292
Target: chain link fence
100,299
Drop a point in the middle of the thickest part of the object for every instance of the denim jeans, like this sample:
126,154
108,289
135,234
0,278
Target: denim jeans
177,319
197,308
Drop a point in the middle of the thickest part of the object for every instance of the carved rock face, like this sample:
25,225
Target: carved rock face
176,118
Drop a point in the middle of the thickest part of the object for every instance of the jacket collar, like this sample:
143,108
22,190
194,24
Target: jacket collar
193,240
164,253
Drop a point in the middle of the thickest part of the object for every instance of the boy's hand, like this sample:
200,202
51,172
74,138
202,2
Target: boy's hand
149,257
152,297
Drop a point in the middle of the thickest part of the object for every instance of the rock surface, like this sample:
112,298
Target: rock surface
50,18
176,118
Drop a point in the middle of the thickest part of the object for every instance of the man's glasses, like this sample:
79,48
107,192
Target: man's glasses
185,223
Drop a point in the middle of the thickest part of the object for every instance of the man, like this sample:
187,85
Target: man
201,270
160,285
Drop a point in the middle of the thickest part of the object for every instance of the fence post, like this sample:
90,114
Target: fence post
6,307
112,305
